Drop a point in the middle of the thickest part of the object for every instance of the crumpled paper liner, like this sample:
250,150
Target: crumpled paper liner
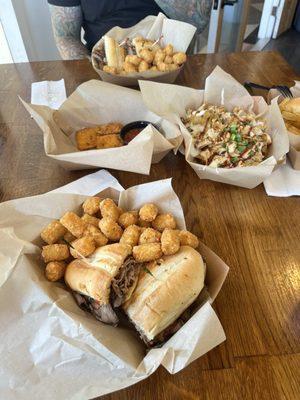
52,349
294,153
171,102
178,33
94,103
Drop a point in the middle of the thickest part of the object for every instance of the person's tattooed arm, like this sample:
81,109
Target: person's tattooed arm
195,12
66,25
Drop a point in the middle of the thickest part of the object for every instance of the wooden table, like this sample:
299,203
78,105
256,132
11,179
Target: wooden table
256,235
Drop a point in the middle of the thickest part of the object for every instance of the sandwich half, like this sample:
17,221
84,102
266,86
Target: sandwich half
165,289
104,281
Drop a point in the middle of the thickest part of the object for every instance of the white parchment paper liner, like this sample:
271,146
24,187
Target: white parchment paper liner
171,102
93,103
53,350
178,33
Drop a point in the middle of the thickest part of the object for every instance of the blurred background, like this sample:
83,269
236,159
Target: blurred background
235,25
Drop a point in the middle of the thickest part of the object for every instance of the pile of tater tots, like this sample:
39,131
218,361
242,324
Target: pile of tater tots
150,234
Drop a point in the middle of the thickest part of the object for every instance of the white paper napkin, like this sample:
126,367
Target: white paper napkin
283,182
48,93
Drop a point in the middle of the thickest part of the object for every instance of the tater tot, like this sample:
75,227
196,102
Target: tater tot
147,252
55,252
53,232
147,55
172,67
159,57
128,218
149,235
168,60
179,58
148,212
133,59
121,211
110,70
90,220
83,247
91,205
169,50
163,221
154,68
96,234
170,242
188,239
163,67
128,67
110,229
144,66
109,209
73,223
144,224
131,235
55,270
68,237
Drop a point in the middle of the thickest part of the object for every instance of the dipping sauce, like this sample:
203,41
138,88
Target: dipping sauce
131,134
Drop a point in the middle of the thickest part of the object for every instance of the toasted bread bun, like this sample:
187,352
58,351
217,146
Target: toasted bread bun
93,276
164,290
115,54
291,106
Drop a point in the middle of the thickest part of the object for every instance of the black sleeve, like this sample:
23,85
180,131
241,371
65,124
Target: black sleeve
64,3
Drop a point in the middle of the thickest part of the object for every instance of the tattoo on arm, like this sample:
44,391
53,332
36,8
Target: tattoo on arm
66,25
195,12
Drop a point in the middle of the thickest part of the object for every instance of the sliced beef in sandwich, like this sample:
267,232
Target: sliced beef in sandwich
104,281
164,291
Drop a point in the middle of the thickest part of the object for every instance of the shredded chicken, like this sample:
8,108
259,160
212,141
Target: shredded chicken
227,139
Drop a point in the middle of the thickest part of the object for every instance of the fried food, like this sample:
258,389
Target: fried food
55,252
188,239
168,60
110,70
109,141
109,209
179,58
128,218
149,235
86,138
147,55
68,237
83,247
169,50
90,220
159,57
131,235
110,229
53,232
96,234
144,66
55,270
147,252
290,110
170,242
128,67
91,205
73,223
109,129
148,212
163,221
144,224
133,59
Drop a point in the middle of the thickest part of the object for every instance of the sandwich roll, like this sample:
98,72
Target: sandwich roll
115,54
166,288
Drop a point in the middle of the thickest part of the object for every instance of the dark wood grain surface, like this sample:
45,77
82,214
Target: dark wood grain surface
256,235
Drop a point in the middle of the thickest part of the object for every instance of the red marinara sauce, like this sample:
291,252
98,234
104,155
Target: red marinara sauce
131,134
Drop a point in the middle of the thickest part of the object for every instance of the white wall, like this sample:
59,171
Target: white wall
35,25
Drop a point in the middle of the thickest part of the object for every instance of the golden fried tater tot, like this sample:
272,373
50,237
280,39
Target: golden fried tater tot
73,223
170,242
68,237
144,224
169,50
109,209
168,60
147,252
91,205
83,247
133,59
55,270
163,221
53,232
172,67
55,252
179,58
86,138
110,229
121,211
109,141
147,55
188,239
149,235
128,218
154,68
128,67
96,234
110,70
90,220
131,235
163,67
144,66
148,212
159,57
